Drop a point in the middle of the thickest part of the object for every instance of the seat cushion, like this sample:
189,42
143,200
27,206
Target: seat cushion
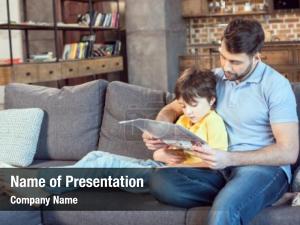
126,102
18,217
135,209
283,215
50,163
72,119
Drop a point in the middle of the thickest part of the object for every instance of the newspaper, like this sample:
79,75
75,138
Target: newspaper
169,133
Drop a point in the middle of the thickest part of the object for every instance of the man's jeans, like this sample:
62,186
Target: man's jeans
236,194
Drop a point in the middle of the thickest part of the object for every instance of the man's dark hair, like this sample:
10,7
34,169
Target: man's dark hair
195,83
244,36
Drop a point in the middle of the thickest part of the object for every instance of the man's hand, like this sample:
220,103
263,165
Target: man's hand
169,156
153,143
213,158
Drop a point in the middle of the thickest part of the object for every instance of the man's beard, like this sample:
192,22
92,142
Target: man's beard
235,76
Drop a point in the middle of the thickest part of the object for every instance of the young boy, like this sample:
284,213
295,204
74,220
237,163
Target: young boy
196,93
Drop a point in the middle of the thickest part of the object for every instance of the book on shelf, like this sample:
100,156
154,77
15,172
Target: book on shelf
98,19
7,61
107,49
87,48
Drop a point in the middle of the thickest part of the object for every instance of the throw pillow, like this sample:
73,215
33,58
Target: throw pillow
72,119
126,102
19,134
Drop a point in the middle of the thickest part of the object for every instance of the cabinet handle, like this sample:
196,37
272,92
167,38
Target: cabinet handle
70,70
51,72
117,63
27,74
87,68
103,65
263,57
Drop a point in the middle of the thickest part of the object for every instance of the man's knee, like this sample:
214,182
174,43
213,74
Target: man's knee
171,187
164,188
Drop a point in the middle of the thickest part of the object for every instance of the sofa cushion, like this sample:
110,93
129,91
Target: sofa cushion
50,163
19,217
296,181
134,209
72,118
125,102
296,88
283,215
19,134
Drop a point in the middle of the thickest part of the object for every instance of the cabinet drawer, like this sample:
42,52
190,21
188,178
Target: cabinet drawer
87,67
70,69
103,65
116,64
49,71
277,57
25,73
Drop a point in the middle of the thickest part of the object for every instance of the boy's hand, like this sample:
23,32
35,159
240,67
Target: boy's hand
153,143
169,156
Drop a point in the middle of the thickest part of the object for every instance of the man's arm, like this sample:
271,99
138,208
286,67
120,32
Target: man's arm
284,151
169,113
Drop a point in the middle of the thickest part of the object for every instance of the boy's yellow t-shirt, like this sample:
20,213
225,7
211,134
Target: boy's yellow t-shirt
210,128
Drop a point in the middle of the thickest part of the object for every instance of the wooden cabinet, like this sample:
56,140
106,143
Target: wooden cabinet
41,72
193,8
213,8
203,61
282,56
278,56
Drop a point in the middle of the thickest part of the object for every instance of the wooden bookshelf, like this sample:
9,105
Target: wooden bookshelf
22,26
59,69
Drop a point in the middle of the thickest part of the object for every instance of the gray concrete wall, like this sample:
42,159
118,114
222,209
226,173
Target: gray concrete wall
40,41
155,39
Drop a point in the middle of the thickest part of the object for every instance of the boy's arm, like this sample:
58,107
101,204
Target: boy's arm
169,113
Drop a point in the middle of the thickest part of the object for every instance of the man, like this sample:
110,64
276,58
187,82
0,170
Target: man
259,110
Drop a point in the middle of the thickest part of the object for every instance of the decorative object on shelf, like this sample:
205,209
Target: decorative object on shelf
247,7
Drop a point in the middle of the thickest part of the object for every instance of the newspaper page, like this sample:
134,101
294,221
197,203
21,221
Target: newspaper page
169,133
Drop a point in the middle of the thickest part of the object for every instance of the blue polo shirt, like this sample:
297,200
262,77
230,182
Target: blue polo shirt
250,107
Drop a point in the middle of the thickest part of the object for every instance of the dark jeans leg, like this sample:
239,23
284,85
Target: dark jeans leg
249,190
186,187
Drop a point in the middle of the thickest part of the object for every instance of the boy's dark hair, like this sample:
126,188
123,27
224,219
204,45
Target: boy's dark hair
195,83
244,36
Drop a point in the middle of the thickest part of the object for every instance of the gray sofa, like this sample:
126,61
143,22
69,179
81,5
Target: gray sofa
83,118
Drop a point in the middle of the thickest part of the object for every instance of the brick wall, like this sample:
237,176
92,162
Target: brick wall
283,26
